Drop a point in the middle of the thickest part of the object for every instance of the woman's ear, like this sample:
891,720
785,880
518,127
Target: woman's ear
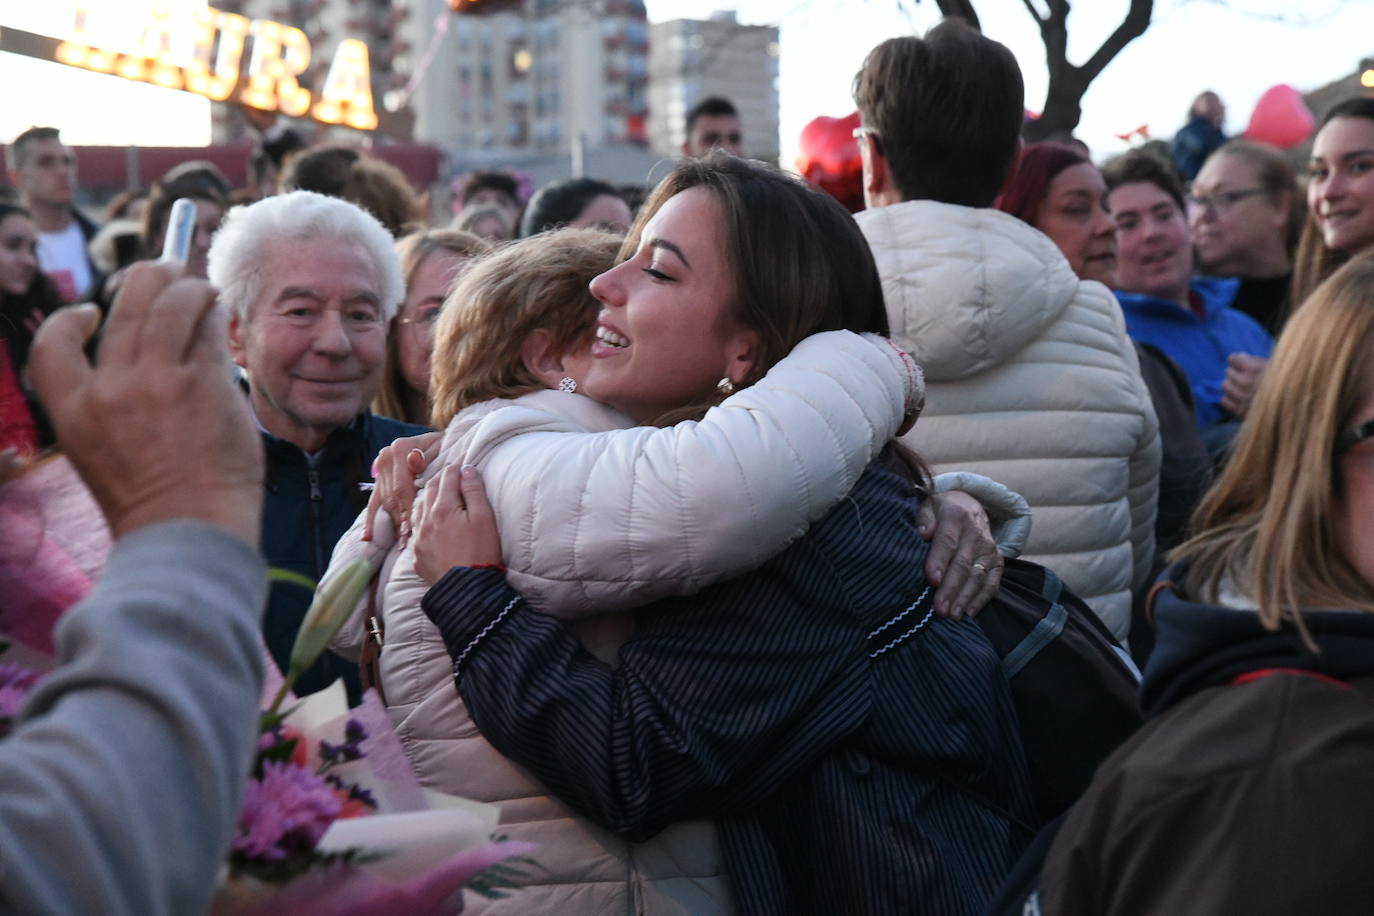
742,358
537,355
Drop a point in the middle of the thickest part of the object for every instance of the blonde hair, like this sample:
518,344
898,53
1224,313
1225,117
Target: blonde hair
538,283
1267,523
411,251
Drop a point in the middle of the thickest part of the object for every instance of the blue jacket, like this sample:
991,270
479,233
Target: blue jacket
860,754
305,511
1200,346
1193,143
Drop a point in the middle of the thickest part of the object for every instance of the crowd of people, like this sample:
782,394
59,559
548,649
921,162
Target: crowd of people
682,505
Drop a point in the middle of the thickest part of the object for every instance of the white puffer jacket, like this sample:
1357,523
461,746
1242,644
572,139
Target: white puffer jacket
615,521
1031,380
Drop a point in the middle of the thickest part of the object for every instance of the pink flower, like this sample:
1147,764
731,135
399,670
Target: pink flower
15,684
284,813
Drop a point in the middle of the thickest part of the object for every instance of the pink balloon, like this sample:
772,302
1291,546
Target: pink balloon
1281,117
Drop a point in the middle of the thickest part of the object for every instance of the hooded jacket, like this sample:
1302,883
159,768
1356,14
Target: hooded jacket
1247,790
1030,380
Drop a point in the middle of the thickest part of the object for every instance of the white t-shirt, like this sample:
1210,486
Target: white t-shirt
62,256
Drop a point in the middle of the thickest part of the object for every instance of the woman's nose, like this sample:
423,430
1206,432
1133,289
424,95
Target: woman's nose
1332,187
1103,224
607,288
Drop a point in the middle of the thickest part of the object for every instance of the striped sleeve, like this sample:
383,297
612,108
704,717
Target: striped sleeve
718,699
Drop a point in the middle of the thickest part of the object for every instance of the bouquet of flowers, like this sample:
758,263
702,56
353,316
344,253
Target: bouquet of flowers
334,820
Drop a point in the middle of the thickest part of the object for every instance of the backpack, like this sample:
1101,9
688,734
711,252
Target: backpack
1074,688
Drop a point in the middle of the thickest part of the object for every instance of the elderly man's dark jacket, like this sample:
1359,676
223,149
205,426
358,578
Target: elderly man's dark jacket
306,509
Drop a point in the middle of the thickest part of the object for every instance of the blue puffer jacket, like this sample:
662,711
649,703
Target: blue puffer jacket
1200,346
306,509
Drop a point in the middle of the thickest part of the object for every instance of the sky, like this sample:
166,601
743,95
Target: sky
1237,47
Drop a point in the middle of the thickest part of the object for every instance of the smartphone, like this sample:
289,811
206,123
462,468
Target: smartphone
181,228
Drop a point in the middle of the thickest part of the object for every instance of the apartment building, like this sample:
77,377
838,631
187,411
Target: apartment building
690,59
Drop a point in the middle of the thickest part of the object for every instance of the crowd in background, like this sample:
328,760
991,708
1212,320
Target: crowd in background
682,501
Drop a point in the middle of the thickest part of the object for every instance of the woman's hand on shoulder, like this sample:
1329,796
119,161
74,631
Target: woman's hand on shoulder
454,525
963,562
394,473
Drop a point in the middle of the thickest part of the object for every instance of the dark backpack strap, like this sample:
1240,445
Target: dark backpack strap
370,660
1020,891
1046,631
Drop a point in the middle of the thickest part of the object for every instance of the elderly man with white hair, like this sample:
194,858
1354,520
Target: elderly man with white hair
311,283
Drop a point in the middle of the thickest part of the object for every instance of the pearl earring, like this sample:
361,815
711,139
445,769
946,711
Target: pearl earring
725,386
567,384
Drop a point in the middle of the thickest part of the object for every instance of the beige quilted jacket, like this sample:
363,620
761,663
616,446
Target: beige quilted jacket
1030,380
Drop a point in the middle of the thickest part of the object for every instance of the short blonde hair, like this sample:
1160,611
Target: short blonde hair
412,250
538,283
1267,523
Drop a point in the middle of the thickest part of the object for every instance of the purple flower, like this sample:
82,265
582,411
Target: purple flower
355,792
351,749
284,813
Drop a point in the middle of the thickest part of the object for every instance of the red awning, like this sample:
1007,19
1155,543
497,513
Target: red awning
106,168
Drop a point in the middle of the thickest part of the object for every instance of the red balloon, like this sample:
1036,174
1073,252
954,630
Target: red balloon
1281,118
829,159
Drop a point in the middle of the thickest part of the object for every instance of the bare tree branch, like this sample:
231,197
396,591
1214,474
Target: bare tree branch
961,9
1132,27
1067,82
1034,13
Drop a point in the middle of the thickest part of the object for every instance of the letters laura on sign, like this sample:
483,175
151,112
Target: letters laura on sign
204,54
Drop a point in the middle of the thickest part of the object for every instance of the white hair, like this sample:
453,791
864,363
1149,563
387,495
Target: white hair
240,246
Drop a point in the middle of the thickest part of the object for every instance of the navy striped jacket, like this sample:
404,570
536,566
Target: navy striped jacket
853,764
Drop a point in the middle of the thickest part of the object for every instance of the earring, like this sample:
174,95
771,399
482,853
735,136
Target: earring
725,386
567,384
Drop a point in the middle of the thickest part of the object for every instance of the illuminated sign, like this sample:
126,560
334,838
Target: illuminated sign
204,53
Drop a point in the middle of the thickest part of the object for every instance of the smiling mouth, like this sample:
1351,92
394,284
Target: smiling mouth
611,338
